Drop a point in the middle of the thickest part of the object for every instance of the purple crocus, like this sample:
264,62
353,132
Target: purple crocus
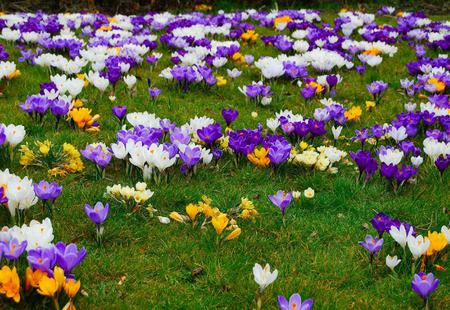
59,108
229,115
190,156
308,92
68,257
42,258
282,200
279,152
295,303
442,162
3,198
424,284
209,134
47,191
119,111
376,89
360,69
372,245
154,93
98,213
382,223
366,163
13,249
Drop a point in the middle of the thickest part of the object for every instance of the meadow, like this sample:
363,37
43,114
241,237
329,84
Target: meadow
144,264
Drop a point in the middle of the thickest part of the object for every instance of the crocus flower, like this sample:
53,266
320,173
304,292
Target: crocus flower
400,235
392,261
295,303
98,213
366,163
263,276
13,249
191,156
372,244
69,257
209,134
282,200
382,223
424,284
47,191
229,115
42,258
119,111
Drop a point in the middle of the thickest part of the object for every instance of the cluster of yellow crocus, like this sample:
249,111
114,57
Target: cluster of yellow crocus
52,286
321,158
354,113
39,280
63,160
248,209
203,210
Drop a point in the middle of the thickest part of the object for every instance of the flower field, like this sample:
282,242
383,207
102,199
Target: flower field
251,159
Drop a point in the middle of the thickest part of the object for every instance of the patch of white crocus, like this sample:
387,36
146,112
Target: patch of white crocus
36,234
20,192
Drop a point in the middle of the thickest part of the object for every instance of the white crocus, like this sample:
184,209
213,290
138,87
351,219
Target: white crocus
263,276
336,132
14,134
392,261
416,160
400,235
273,124
130,80
418,245
398,134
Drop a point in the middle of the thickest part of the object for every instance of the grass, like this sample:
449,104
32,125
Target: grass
144,264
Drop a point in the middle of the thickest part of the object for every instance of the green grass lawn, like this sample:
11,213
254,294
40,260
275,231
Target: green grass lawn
147,265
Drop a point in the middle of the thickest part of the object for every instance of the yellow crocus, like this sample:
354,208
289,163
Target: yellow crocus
176,216
282,19
259,157
234,234
47,286
60,278
44,147
221,81
440,86
246,204
370,105
32,278
220,222
372,51
438,242
354,113
10,283
192,211
71,287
